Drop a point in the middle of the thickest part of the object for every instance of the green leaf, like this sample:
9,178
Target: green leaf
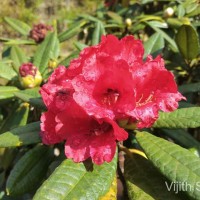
188,88
7,92
67,60
144,181
165,36
18,57
181,118
9,41
6,71
78,181
31,96
23,135
117,18
187,41
112,193
89,17
176,163
17,117
18,25
71,31
29,171
80,46
48,49
96,36
154,45
181,137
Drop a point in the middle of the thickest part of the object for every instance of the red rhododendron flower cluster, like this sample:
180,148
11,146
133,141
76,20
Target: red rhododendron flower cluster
109,82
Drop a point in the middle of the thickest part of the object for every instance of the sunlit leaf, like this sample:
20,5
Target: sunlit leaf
71,31
7,71
7,91
176,163
18,57
48,49
78,181
18,25
181,118
23,135
188,42
154,45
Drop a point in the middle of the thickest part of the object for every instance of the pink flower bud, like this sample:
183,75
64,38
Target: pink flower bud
29,75
39,32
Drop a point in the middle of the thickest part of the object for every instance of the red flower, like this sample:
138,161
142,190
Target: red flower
107,83
87,136
116,83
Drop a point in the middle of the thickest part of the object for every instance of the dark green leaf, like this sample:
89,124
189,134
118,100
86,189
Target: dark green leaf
144,181
31,96
191,87
187,41
29,171
18,57
23,135
154,45
181,118
16,118
47,50
18,25
78,181
176,163
181,137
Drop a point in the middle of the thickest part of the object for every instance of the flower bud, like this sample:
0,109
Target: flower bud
39,32
169,12
30,76
52,64
128,22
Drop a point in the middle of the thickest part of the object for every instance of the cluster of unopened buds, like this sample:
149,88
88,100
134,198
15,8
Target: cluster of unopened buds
39,32
107,85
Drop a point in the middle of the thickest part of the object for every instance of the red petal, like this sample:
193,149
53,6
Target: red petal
48,133
77,147
102,148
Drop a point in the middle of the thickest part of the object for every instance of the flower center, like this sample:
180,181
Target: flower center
100,129
63,94
143,101
110,97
